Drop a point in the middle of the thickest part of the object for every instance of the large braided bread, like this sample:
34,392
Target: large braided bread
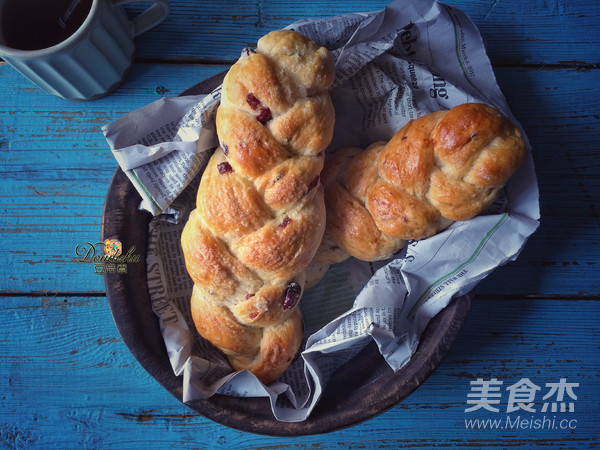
260,212
443,167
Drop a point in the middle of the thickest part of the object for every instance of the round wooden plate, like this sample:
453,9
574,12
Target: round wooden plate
357,391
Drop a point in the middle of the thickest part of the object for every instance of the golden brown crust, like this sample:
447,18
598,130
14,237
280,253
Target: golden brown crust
446,166
264,350
260,211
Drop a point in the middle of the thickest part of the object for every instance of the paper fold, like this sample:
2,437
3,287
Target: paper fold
412,58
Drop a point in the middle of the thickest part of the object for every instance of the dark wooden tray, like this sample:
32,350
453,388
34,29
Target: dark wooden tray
357,391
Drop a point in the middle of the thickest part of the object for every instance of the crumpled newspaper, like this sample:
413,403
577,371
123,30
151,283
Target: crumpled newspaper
410,59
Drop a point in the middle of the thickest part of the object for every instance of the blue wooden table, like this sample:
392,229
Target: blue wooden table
69,381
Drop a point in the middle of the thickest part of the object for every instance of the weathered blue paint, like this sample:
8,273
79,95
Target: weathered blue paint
70,382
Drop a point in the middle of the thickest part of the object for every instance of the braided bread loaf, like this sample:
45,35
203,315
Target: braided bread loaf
260,212
443,167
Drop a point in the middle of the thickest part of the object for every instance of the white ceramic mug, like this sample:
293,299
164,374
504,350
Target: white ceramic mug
75,49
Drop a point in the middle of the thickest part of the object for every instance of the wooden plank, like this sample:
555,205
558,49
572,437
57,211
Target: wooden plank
563,127
533,32
71,382
56,167
55,170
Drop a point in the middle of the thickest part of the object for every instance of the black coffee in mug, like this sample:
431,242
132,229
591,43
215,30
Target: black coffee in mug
38,24
74,49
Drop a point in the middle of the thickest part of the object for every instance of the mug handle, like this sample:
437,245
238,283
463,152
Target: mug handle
151,17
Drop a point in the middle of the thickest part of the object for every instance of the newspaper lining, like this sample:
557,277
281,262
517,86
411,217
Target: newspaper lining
392,66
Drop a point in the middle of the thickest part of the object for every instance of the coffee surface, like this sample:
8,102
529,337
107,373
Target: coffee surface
39,24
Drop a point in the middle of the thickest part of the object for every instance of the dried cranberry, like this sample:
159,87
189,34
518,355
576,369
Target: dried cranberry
224,168
253,315
249,296
252,100
311,185
225,149
292,295
264,115
285,222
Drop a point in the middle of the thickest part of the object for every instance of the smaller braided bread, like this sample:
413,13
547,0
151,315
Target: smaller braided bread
260,211
443,167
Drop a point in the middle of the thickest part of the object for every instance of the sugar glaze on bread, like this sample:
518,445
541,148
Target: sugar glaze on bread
443,167
260,212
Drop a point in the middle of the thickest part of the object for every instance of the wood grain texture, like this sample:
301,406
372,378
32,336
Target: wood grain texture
56,167
69,381
74,374
558,32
